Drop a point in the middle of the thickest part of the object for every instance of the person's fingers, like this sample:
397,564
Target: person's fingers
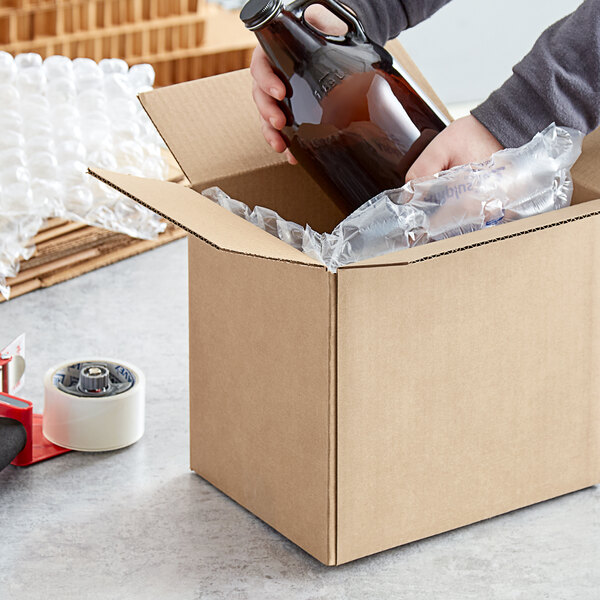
290,157
265,78
273,137
431,161
324,20
266,87
465,140
276,141
268,108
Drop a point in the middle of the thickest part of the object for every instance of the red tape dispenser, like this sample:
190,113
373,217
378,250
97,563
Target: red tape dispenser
22,442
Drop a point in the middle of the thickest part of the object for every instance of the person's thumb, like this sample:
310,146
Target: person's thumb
431,161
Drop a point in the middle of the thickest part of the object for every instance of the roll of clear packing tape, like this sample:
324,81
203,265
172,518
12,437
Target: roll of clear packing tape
94,405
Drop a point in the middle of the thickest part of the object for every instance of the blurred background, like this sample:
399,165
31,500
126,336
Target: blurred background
467,49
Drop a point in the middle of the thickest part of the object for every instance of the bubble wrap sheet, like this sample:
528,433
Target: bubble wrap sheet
57,117
513,184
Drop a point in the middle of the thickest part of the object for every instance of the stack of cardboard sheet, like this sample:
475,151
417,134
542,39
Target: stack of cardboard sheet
64,249
227,46
29,20
182,39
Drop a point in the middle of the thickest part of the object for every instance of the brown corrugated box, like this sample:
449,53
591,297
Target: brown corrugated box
404,396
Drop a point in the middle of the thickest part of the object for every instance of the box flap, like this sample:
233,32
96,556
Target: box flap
211,125
480,238
203,218
585,172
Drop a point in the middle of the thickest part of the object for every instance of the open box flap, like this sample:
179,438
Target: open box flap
484,236
585,172
203,218
212,128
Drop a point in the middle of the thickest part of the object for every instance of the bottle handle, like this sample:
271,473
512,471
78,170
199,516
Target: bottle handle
356,32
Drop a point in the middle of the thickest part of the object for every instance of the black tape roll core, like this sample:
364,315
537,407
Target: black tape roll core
13,438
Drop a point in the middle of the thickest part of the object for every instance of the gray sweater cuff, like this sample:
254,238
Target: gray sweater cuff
514,113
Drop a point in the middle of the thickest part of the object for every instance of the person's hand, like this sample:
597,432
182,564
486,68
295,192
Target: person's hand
268,88
464,141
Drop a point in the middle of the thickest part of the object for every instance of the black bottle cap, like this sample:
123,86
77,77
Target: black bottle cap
258,12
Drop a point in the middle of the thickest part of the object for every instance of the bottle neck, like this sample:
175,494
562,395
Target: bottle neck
287,42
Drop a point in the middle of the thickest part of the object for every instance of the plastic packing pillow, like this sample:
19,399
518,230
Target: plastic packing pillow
58,117
513,184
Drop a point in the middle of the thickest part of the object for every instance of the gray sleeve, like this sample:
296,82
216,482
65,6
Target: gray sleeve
385,19
559,80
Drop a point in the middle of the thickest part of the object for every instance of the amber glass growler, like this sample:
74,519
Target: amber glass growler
354,122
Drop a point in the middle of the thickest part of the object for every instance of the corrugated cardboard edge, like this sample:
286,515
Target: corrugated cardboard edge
333,425
585,170
148,113
85,261
421,253
308,262
456,244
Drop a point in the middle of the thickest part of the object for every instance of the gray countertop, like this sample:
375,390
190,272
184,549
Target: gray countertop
136,523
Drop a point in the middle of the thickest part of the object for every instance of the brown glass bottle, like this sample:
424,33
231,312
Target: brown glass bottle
353,121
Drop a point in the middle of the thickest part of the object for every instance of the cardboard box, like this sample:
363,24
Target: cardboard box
402,397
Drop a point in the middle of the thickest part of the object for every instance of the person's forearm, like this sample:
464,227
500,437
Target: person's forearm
385,19
559,80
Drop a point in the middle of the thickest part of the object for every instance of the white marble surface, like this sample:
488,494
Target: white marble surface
137,524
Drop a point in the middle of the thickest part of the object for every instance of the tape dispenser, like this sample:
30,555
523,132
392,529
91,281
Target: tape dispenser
22,441
92,405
